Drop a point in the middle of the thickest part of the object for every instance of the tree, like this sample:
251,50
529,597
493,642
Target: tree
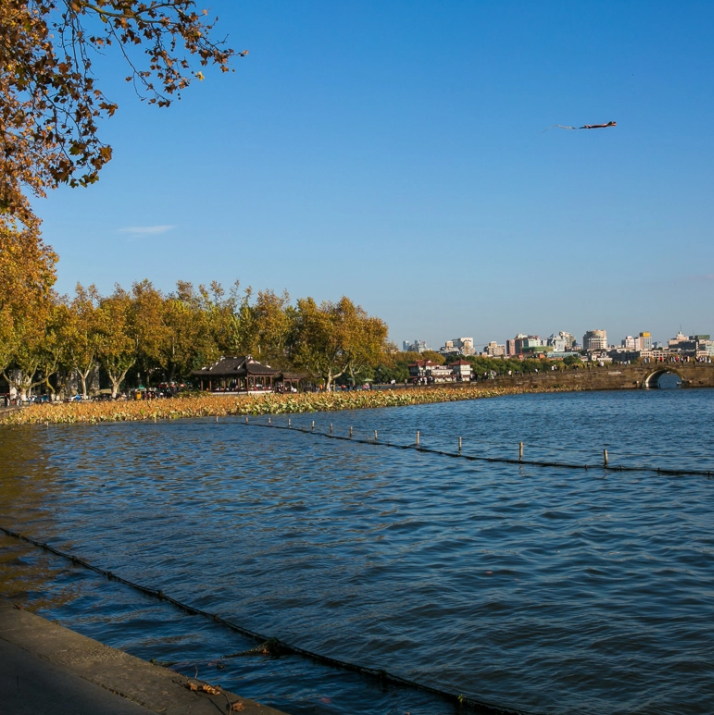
50,103
271,322
227,316
328,338
395,366
83,333
40,350
116,343
368,342
189,344
27,271
27,274
147,328
436,358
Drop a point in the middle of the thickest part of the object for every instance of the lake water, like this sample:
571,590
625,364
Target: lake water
534,588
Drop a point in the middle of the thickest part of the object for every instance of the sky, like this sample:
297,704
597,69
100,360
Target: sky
394,152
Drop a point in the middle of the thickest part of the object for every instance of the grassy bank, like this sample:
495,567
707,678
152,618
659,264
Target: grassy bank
220,406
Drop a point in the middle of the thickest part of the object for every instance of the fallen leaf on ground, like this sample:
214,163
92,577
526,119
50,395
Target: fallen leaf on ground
237,706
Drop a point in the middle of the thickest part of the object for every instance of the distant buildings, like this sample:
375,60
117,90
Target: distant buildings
462,370
595,340
698,347
493,349
562,342
458,346
418,346
691,346
527,344
595,347
428,372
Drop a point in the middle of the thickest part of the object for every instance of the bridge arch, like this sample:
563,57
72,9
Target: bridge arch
652,380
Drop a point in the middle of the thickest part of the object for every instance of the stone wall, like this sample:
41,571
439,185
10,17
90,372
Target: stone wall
615,377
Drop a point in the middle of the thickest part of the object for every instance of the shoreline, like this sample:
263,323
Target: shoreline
49,666
272,404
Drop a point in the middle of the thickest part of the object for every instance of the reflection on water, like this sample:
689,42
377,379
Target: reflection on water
543,589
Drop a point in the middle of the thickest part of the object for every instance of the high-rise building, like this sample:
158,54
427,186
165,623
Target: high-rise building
595,340
527,343
459,346
645,341
418,346
561,342
493,349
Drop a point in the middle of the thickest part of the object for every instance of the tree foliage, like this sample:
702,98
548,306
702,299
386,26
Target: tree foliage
50,100
331,339
159,337
27,275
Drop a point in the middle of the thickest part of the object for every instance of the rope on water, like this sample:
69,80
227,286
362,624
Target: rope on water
274,646
483,458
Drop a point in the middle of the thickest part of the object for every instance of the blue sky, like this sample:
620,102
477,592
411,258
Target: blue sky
393,152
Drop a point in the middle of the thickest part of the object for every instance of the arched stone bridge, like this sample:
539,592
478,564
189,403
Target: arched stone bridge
616,377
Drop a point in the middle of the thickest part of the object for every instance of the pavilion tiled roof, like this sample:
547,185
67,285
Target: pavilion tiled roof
236,366
243,366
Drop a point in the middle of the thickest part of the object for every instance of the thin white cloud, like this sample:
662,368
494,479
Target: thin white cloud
707,277
145,230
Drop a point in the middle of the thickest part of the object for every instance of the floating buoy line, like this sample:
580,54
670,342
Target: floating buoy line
274,646
605,464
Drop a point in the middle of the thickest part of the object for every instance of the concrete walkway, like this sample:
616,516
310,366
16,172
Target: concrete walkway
47,668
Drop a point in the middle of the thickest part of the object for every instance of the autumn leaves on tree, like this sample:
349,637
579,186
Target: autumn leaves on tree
50,101
165,337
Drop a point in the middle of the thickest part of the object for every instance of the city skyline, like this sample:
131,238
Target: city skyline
437,346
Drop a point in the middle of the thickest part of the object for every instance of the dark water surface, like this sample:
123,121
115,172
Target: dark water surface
545,589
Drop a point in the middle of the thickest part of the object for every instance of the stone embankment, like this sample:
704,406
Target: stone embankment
613,377
47,668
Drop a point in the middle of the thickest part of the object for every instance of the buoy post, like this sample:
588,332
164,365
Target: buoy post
520,451
605,459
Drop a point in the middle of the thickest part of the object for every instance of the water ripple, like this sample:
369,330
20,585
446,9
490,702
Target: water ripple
545,589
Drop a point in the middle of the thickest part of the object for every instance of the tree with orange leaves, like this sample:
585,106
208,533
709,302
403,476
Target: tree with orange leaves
27,274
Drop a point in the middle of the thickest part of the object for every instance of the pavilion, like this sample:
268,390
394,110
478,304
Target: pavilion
243,374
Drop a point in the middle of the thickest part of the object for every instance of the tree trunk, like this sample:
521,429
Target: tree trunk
23,383
330,378
116,379
83,375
